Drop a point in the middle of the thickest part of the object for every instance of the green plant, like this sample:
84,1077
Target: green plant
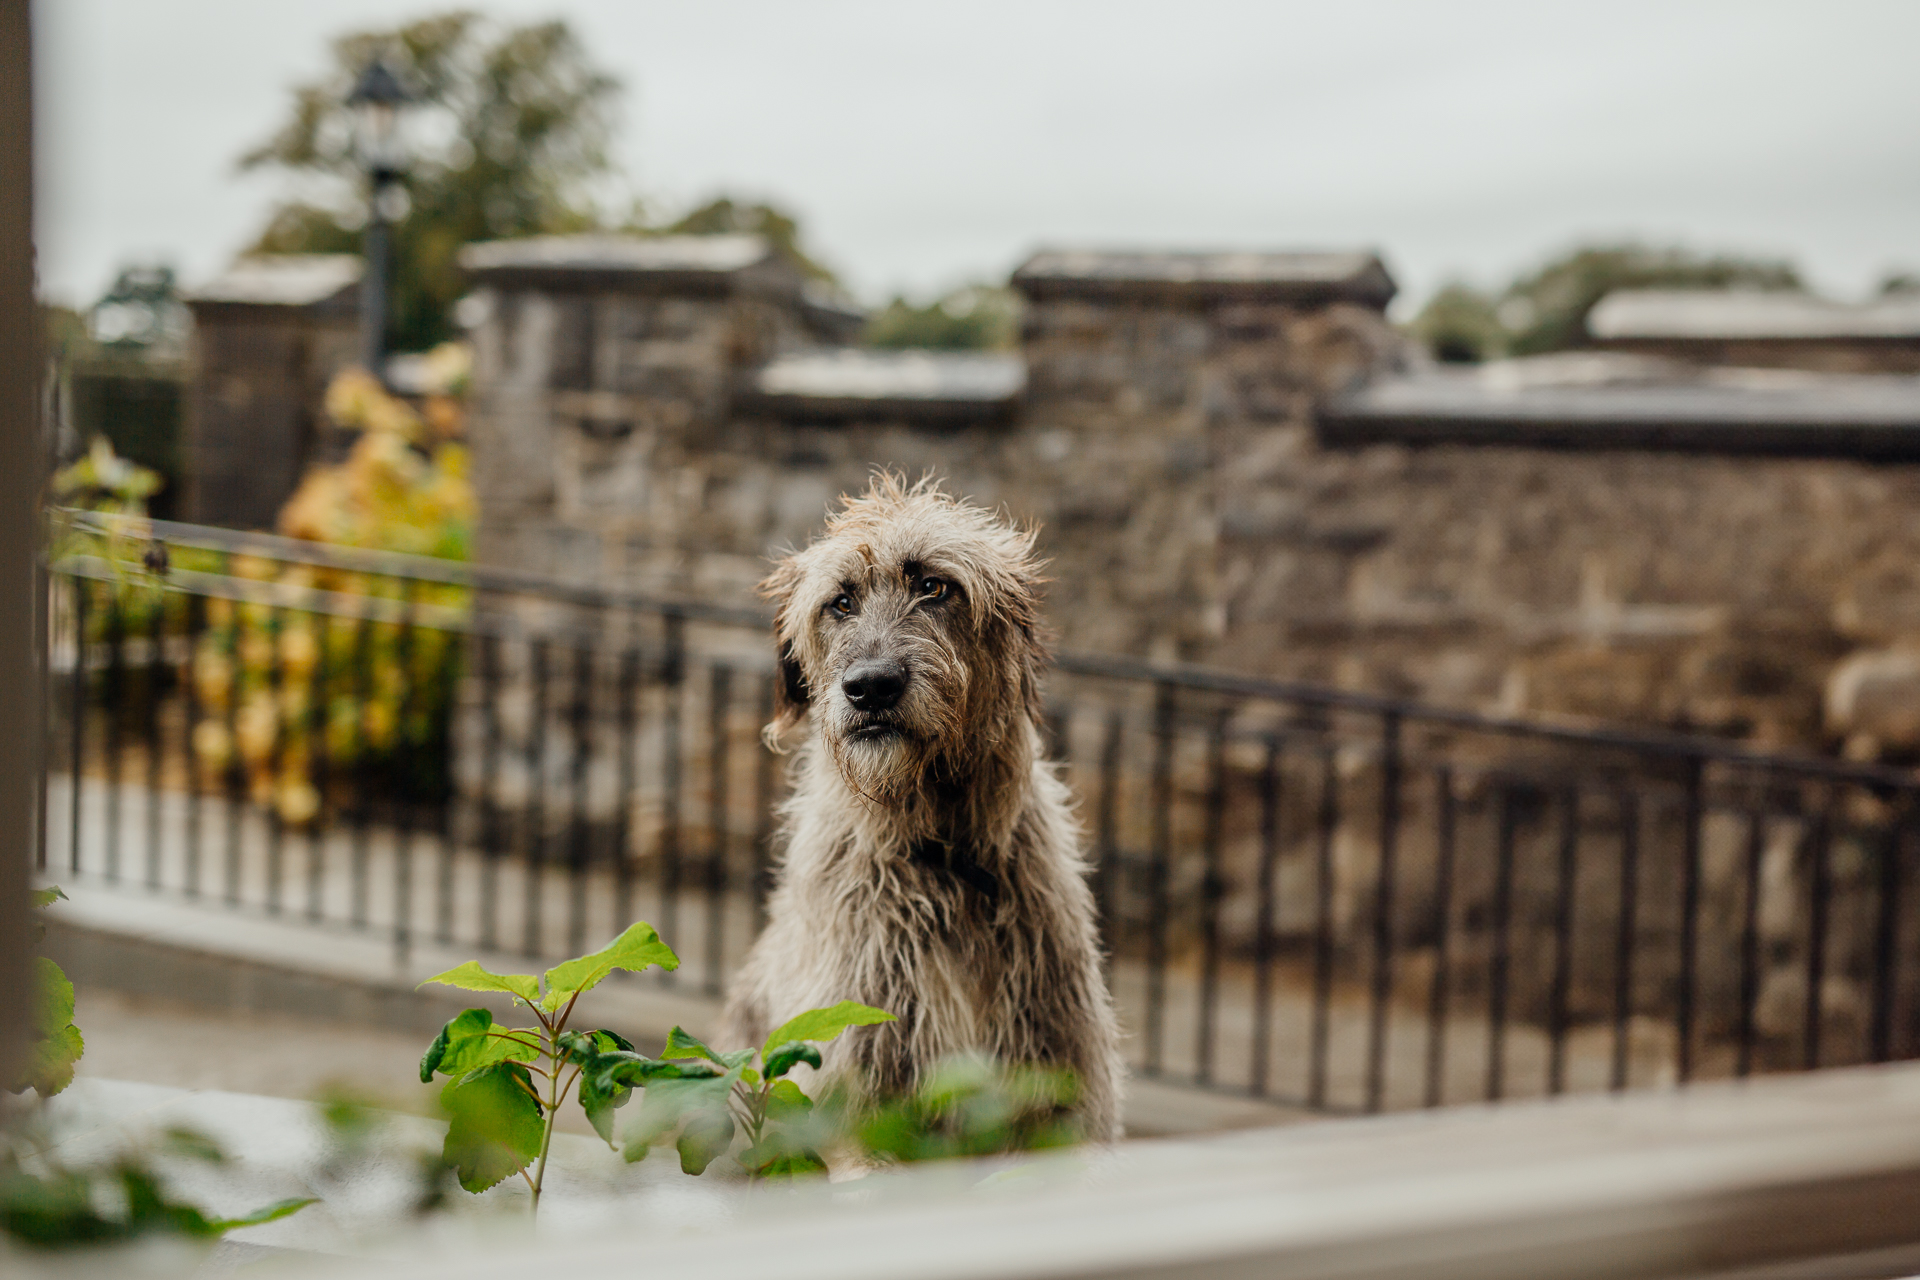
46,1204
499,1122
506,1085
57,1043
699,1098
971,1106
55,1206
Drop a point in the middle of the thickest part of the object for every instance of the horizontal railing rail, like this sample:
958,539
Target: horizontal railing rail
1318,896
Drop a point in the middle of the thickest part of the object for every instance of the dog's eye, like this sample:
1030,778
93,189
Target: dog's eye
935,588
842,605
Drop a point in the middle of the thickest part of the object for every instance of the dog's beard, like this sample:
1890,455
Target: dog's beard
878,759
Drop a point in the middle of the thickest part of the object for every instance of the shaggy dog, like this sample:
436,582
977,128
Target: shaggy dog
932,864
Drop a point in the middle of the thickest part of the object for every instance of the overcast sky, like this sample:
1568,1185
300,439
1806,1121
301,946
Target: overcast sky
924,145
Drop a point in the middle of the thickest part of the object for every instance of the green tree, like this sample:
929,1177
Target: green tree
520,122
1461,325
1546,310
976,318
723,215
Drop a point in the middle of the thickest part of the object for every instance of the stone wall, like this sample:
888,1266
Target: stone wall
1165,443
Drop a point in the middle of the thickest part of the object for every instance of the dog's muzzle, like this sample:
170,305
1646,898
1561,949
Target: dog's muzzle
873,685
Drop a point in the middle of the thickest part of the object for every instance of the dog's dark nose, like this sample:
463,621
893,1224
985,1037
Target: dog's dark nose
874,684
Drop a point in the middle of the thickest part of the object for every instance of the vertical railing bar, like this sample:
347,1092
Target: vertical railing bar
533,814
156,669
1750,937
277,746
627,756
1501,960
1820,892
1623,949
444,797
672,676
1438,994
491,818
234,775
408,772
1382,993
194,623
1689,920
358,887
320,760
1319,1036
1107,852
1159,871
580,716
82,591
1270,797
719,700
1885,949
1212,890
1563,939
114,705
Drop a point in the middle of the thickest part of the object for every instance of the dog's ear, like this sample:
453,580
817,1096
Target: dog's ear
790,697
790,692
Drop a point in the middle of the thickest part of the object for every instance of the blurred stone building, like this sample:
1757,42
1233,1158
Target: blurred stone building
1235,460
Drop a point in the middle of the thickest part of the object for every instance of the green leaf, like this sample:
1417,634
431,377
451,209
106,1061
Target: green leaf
46,897
271,1213
790,1055
49,1066
703,1139
778,1155
53,997
636,949
471,977
472,1040
494,1125
609,1041
670,1101
786,1103
680,1044
602,1091
824,1024
638,1069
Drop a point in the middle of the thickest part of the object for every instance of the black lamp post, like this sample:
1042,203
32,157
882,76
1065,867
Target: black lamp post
376,101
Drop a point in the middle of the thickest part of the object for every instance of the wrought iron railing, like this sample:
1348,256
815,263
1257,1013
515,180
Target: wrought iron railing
1324,898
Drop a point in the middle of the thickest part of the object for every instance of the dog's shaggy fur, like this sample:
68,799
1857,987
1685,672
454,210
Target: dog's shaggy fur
931,864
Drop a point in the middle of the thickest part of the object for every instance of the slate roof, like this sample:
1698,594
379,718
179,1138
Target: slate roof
851,382
1595,400
282,280
701,254
1226,275
1722,314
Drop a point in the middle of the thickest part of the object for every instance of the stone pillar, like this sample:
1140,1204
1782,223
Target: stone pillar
269,335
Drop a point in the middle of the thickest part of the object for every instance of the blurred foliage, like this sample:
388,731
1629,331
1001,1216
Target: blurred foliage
976,318
1546,310
1461,325
971,1106
46,1203
103,481
510,132
289,698
724,216
291,703
57,1043
404,486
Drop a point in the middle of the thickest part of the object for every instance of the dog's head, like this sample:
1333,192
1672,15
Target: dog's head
909,631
